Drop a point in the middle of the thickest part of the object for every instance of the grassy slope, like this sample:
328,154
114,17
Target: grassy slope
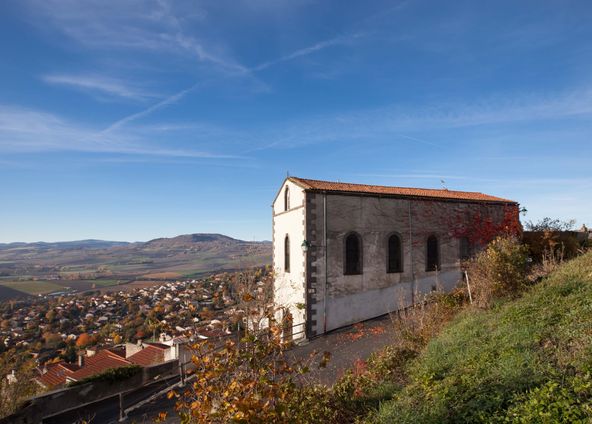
527,360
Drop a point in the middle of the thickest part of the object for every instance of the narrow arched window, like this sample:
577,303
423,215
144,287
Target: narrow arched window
287,198
465,248
353,254
395,254
433,254
287,254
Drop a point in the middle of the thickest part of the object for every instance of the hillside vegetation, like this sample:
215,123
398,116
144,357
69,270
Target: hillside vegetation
525,360
516,348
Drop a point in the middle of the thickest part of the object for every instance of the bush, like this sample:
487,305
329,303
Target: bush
14,393
499,271
423,322
368,383
251,382
545,245
566,400
111,375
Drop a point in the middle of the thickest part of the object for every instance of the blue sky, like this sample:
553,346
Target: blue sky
129,120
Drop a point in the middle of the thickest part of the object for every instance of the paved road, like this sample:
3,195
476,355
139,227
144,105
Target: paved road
346,346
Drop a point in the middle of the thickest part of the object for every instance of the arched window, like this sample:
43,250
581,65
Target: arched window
287,198
433,254
465,248
353,254
287,254
395,254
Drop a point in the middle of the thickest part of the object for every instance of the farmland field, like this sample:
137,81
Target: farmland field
32,287
41,268
83,285
162,275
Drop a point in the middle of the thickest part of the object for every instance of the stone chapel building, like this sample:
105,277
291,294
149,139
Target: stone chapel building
344,253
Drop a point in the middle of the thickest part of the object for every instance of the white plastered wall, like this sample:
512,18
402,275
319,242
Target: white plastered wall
290,287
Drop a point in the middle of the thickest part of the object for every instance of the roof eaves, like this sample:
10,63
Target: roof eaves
410,196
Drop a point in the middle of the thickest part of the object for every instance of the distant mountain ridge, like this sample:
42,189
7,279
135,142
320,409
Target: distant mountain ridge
195,238
183,255
106,244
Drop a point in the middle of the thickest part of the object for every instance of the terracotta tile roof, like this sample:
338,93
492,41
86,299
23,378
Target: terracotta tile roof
338,187
158,345
117,350
152,354
101,361
55,374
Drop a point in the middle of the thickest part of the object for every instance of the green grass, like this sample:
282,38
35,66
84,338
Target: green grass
33,287
528,360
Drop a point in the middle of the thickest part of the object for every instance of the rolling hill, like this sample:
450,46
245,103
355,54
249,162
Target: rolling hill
84,264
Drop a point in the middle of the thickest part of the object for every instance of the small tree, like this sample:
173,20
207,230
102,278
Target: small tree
253,380
498,271
549,224
16,383
551,241
83,340
69,354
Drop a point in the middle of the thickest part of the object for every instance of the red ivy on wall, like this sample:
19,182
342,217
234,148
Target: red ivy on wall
480,229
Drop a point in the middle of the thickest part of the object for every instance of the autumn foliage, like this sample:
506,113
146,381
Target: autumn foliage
499,271
253,381
84,340
480,228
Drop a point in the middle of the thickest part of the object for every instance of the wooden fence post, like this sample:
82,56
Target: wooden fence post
469,287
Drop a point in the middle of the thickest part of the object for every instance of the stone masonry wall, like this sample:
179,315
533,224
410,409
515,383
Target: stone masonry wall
353,298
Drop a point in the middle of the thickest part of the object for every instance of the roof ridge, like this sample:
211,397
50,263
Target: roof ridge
443,193
387,186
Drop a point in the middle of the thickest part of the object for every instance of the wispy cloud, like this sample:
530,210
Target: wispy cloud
142,25
340,40
241,71
96,84
161,104
397,121
138,25
26,131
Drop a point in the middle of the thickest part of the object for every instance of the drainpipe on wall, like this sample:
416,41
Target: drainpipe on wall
411,256
326,261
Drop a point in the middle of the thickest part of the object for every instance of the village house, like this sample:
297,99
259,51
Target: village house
96,361
344,253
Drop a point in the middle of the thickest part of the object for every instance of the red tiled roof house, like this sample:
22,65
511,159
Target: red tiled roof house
52,376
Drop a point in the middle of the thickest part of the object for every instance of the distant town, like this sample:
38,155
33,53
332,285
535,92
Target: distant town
64,335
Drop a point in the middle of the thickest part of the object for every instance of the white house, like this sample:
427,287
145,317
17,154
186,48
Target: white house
344,253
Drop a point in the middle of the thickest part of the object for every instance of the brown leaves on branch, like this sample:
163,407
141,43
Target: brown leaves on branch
248,382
